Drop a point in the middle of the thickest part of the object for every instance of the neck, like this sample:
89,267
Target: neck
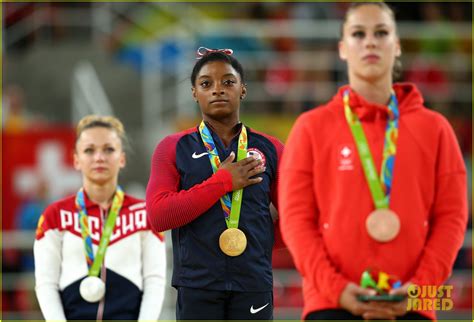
101,194
373,92
225,129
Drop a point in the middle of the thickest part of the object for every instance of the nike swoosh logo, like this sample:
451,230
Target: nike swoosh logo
253,311
197,156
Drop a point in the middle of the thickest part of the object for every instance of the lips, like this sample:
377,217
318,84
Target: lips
100,169
371,58
219,101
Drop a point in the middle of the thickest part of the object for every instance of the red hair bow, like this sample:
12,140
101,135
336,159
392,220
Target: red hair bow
203,51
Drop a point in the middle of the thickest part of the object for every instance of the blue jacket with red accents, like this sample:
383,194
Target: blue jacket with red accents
183,194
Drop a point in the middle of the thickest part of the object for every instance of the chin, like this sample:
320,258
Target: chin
101,180
372,74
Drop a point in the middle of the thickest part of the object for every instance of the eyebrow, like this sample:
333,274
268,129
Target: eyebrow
380,25
225,75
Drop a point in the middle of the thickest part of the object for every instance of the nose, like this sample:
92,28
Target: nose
99,156
218,89
370,41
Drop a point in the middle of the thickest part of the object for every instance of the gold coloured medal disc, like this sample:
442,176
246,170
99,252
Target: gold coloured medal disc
232,242
383,225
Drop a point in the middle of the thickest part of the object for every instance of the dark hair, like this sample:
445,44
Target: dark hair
397,65
216,56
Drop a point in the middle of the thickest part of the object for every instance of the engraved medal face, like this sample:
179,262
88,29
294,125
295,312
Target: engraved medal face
383,225
232,242
92,289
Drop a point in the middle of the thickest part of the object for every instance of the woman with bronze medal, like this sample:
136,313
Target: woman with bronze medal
213,185
95,257
371,181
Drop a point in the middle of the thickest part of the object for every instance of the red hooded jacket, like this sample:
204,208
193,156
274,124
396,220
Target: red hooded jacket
325,199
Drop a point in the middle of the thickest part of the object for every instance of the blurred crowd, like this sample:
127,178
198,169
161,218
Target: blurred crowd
437,63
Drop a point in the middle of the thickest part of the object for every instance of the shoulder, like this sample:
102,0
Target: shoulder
50,218
267,138
172,139
133,203
68,203
166,148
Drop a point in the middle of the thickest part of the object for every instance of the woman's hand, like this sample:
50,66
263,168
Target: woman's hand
242,171
394,308
368,310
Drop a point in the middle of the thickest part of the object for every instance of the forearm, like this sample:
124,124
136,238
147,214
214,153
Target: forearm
447,229
154,276
168,209
47,272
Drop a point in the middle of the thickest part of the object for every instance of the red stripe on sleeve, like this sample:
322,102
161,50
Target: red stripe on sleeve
170,208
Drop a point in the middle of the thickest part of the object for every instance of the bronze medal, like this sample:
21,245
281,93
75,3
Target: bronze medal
232,242
383,225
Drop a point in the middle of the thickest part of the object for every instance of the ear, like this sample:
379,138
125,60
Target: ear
193,89
123,160
77,166
243,91
398,50
342,50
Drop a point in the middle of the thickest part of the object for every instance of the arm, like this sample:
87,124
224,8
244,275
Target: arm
47,254
169,208
279,244
448,215
154,276
299,215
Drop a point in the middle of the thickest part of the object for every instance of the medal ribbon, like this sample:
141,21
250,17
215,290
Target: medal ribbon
94,264
231,208
380,188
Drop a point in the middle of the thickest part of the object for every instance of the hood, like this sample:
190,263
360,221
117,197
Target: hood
408,96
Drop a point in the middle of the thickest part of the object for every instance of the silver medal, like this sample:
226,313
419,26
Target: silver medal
92,289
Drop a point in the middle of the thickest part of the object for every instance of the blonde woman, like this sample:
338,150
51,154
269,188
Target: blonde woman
95,256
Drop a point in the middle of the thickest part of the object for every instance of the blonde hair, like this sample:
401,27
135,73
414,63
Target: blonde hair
108,122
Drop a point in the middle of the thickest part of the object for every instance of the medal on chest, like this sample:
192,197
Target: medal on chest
382,224
232,241
92,288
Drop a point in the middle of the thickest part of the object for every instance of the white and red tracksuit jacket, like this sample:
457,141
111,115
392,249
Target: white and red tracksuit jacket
134,266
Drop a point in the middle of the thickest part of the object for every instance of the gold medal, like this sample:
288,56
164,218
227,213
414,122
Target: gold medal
383,225
232,242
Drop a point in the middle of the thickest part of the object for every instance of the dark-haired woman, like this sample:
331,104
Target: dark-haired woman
213,185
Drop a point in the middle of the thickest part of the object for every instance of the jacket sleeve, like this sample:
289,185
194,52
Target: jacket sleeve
279,244
299,215
47,255
167,206
154,276
449,214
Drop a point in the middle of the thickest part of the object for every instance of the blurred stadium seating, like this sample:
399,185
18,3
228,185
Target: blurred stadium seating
139,58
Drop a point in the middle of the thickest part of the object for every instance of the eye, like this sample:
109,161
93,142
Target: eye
88,150
205,84
358,34
229,82
109,149
381,33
